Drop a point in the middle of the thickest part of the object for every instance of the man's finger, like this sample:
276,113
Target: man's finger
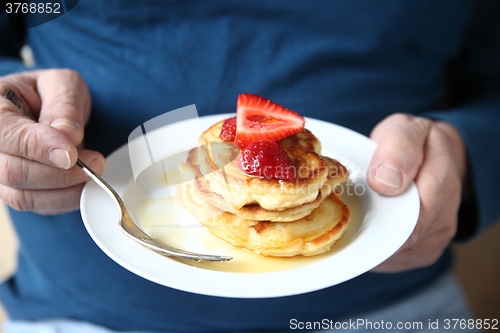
65,102
24,86
20,173
48,202
400,153
23,137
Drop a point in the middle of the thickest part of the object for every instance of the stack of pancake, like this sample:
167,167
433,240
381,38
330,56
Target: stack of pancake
271,217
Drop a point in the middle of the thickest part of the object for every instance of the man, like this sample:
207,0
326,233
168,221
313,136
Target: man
358,64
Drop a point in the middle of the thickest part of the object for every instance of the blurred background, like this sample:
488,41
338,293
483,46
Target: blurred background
477,267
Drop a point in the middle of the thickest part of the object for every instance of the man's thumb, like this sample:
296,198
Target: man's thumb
401,143
65,102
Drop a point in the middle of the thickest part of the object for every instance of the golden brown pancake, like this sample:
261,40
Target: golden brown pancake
200,187
218,164
312,235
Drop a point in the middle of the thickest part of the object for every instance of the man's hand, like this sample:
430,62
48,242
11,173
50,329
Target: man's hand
37,157
434,155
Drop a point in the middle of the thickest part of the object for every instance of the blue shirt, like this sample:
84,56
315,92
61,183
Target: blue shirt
348,62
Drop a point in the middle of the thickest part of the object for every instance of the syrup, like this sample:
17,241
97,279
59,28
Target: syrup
166,220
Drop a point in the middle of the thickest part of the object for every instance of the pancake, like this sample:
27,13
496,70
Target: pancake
200,187
218,164
312,235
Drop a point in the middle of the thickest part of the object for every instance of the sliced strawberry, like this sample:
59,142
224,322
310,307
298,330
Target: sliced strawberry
258,118
228,131
266,158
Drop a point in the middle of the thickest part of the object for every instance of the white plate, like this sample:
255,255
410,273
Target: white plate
379,227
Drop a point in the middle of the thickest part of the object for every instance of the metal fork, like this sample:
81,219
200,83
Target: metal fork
125,223
130,229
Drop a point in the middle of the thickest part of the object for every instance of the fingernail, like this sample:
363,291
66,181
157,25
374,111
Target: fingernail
60,158
64,122
98,165
389,174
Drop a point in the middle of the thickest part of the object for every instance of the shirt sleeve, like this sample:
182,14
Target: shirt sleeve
10,45
475,82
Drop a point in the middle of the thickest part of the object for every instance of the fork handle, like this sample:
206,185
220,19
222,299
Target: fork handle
101,182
